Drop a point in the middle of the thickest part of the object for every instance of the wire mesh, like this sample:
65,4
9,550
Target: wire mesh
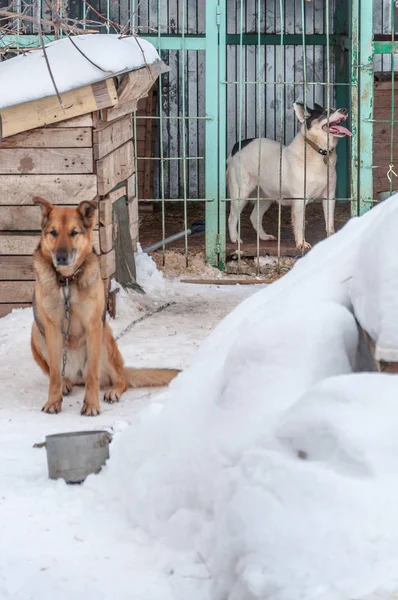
270,54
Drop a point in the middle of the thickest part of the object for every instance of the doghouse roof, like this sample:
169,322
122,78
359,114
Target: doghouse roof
84,60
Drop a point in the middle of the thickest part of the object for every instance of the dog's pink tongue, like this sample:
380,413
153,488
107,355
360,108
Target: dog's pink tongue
342,130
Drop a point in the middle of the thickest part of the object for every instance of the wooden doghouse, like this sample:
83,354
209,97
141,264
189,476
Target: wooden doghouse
79,151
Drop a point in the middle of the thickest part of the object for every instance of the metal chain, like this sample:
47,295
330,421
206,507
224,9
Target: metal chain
65,324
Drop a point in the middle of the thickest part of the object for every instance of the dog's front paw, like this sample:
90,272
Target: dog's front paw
67,386
303,246
112,395
90,410
53,407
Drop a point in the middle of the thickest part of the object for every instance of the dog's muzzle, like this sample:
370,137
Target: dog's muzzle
63,258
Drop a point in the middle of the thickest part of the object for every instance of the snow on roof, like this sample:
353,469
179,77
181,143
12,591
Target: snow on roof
26,77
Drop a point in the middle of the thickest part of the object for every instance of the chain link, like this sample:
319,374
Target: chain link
65,324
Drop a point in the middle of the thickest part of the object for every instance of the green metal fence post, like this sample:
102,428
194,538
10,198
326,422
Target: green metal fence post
212,115
341,93
222,137
366,91
354,100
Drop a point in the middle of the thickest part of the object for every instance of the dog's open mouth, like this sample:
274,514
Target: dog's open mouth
336,128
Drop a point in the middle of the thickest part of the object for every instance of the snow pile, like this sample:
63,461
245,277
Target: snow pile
130,304
374,286
272,465
148,275
26,77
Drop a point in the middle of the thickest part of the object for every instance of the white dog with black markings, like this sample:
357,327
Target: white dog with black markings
242,172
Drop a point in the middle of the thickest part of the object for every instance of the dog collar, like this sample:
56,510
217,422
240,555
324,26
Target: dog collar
321,151
63,280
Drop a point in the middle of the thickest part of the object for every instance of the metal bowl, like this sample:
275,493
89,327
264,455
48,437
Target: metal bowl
74,456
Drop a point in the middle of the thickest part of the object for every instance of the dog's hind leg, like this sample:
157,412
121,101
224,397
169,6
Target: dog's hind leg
112,368
36,352
256,218
236,190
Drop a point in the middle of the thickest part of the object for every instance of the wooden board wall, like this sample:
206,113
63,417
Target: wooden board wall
56,163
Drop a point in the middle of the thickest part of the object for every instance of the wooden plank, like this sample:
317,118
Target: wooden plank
83,121
108,264
23,218
46,160
135,86
20,218
51,137
106,238
26,243
105,211
65,189
112,136
105,205
46,111
226,281
115,168
5,309
18,243
16,291
131,187
13,268
117,194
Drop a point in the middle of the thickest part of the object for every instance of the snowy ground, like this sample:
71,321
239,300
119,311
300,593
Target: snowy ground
267,470
57,541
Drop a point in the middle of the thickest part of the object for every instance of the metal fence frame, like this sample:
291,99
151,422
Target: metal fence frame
350,33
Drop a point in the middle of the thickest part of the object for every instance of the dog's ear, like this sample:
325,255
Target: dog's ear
87,210
301,113
46,208
318,107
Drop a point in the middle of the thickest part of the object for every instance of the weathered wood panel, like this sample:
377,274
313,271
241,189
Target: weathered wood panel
115,168
16,291
108,264
83,121
134,86
24,244
46,160
105,205
46,111
51,137
5,309
105,211
112,136
18,243
106,238
59,189
116,194
20,218
13,268
23,218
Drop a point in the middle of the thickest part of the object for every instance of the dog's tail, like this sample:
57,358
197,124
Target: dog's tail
138,378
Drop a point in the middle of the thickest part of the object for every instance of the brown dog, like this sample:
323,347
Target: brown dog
65,261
